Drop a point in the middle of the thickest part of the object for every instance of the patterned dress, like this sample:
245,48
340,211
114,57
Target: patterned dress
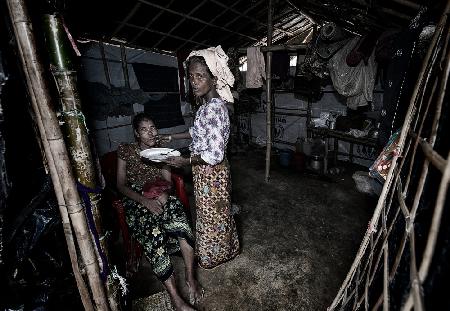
158,234
216,235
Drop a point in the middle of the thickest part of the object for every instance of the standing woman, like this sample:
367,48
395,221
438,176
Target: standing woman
216,236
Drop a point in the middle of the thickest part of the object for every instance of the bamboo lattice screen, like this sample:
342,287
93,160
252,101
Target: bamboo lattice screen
409,227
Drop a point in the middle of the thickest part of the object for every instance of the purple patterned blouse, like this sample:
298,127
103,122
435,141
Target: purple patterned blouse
210,131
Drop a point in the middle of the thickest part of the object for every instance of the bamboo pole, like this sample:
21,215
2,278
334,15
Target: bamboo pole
432,156
160,7
410,216
269,92
302,12
77,139
435,158
42,106
389,178
409,4
385,249
251,18
4,184
105,64
68,233
123,60
279,47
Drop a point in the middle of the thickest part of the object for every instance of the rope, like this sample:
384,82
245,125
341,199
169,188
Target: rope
84,192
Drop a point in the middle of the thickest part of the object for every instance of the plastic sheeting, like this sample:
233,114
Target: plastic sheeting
39,274
356,83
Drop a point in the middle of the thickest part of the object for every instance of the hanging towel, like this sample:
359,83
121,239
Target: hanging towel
256,68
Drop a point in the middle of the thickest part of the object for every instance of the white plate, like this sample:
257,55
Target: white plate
159,154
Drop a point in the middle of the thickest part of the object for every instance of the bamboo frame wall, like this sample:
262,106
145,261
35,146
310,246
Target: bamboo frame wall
385,248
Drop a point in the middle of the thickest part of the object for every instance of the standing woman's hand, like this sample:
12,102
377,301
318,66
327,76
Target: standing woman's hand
153,205
164,138
177,161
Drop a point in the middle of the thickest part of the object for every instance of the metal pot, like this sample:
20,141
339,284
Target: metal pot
316,163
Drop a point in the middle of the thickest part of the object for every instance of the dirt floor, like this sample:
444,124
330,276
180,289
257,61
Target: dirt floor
299,235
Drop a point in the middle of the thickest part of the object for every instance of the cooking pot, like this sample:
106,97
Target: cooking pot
316,163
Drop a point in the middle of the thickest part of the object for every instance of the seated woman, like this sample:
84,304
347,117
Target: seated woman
159,224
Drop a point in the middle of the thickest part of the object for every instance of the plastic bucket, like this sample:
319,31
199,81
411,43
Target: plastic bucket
285,157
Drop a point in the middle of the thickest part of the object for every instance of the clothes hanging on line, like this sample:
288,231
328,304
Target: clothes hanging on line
256,68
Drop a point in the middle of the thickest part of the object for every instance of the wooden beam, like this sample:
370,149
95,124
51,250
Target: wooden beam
269,93
407,3
211,21
281,47
234,19
435,158
180,22
127,18
126,44
251,18
105,64
395,13
151,22
301,12
309,29
123,61
196,19
164,34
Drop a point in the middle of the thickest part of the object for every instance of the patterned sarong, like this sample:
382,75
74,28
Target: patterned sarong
158,234
216,236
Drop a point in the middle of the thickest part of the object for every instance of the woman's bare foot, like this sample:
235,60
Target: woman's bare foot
178,302
181,305
196,292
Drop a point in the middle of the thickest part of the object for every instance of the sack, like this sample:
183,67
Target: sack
380,168
155,188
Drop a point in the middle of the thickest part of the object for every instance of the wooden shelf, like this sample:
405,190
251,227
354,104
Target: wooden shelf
339,135
324,132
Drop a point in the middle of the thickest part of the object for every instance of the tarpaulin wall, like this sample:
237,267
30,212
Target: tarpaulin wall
113,98
290,122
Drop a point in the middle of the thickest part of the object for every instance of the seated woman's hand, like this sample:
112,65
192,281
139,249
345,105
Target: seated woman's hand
163,198
153,205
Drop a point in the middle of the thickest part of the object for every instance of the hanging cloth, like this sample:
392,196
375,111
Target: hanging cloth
256,68
356,83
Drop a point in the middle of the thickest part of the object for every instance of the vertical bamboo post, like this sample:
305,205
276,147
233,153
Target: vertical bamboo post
123,60
68,232
390,177
269,92
77,139
105,64
42,106
4,184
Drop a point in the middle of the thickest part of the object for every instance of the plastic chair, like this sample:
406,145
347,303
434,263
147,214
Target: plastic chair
133,250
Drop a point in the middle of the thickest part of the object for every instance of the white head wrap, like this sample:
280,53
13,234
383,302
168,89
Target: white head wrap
216,59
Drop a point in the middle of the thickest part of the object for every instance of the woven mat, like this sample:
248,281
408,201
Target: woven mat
157,302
